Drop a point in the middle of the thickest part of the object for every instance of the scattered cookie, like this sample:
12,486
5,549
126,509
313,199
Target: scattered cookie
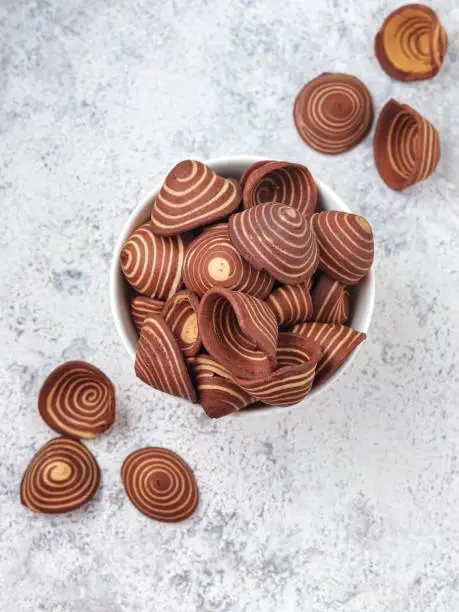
160,484
291,303
330,301
193,196
337,342
153,264
77,400
159,361
62,476
283,182
277,239
181,314
239,331
345,244
406,146
142,307
212,261
412,43
333,113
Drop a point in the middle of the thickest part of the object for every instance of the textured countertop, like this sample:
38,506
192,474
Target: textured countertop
350,505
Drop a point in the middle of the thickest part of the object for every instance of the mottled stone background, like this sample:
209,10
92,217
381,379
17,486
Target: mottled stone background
349,505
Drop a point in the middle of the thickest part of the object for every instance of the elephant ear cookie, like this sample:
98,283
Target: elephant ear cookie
277,239
330,301
181,314
160,484
346,245
153,264
406,146
193,196
333,113
238,331
62,476
159,361
291,303
337,342
213,261
412,43
143,306
283,182
290,383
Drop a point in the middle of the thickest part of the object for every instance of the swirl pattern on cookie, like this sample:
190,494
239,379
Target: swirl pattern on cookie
330,301
283,182
213,261
160,484
412,43
297,358
153,264
62,476
77,400
333,113
337,342
277,239
159,361
406,146
239,331
291,303
345,243
193,196
143,306
181,314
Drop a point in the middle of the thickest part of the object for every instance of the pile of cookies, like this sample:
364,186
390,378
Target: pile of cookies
240,289
334,112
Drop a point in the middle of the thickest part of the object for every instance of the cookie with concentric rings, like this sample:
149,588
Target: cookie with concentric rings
181,314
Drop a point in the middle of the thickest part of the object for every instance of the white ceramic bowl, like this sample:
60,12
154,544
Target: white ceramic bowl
362,296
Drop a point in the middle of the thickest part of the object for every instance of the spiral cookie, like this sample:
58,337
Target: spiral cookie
239,331
291,303
218,394
283,182
181,314
412,43
406,146
193,196
330,300
337,342
143,306
212,261
333,113
153,264
160,484
77,400
346,245
62,476
297,358
277,239
159,362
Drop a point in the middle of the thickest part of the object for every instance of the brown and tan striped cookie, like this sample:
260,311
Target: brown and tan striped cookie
213,261
218,394
62,476
279,181
277,239
291,303
181,314
406,146
333,113
153,264
337,342
159,361
193,196
142,306
345,244
160,484
330,301
297,358
239,331
77,400
412,43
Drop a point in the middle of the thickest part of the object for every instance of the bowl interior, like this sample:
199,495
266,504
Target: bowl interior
362,296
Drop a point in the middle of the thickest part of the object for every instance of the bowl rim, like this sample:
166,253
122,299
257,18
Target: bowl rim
115,276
